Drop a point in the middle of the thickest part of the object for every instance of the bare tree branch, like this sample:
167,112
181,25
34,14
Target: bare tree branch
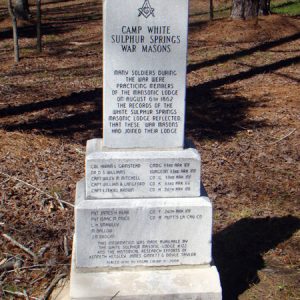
52,285
34,187
13,241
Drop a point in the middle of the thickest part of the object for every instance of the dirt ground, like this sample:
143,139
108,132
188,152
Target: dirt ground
243,110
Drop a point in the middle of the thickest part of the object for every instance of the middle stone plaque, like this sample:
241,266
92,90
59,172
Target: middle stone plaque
145,48
141,174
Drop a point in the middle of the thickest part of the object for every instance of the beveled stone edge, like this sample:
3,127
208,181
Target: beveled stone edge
128,202
96,145
90,275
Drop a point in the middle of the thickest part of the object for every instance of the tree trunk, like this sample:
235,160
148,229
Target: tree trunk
22,9
15,31
237,11
264,7
251,9
244,9
38,26
211,10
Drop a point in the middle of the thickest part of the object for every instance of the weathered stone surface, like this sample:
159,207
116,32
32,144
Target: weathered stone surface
145,49
142,232
141,174
196,283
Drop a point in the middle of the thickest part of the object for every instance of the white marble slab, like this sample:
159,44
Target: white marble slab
137,174
197,283
144,79
142,232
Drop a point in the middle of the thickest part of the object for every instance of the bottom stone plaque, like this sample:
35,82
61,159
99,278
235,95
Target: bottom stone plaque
175,283
142,232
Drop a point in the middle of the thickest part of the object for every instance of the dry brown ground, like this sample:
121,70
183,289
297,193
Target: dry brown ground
242,113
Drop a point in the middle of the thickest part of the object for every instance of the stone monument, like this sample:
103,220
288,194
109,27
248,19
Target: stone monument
143,225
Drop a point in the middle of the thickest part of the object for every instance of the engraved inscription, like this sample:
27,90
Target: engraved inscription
111,246
145,103
144,178
144,87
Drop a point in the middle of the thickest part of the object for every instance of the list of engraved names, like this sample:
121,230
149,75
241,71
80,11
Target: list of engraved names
151,178
112,247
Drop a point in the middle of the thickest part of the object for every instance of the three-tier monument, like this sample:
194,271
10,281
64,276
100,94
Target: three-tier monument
143,226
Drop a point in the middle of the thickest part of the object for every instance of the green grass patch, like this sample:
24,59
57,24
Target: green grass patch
291,8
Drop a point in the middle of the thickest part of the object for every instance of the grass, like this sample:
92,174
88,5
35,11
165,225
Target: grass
291,8
286,7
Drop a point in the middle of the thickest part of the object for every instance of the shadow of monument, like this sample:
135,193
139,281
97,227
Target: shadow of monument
238,250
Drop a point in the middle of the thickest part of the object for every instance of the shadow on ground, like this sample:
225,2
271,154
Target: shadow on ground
245,52
251,72
58,20
75,13
29,31
79,115
217,114
213,110
238,250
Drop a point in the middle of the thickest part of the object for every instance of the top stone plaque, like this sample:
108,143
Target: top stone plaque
145,48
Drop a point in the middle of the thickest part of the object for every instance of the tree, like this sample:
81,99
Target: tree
21,9
264,7
15,30
211,10
244,9
38,26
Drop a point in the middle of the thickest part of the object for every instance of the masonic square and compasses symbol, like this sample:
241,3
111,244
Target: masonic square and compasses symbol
146,10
